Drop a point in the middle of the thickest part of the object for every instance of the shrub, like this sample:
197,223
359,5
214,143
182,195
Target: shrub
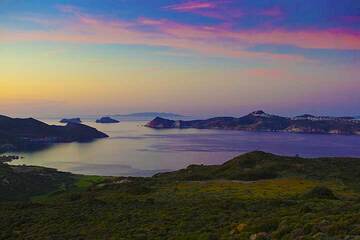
321,192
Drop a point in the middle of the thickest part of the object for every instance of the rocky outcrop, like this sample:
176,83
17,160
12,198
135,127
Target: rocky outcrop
107,120
162,123
70,120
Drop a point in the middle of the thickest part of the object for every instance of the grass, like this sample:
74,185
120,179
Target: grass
260,165
185,210
86,181
79,183
293,205
263,189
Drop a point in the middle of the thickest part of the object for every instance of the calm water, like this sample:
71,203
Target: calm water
139,151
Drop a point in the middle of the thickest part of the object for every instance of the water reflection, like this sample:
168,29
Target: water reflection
138,151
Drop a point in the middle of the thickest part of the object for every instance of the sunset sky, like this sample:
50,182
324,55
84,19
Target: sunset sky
219,57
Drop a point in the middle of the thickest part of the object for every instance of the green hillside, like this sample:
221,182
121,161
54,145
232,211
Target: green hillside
254,196
260,165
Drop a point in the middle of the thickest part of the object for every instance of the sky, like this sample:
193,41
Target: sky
199,58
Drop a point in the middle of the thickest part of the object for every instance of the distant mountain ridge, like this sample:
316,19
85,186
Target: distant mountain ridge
149,115
261,121
20,134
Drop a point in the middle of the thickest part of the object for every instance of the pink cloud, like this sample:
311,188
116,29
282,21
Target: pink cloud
191,5
322,39
214,40
221,9
218,9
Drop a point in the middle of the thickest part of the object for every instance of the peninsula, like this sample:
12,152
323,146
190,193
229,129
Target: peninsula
18,134
261,121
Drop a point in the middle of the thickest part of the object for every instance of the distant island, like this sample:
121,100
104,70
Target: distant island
18,134
107,120
261,121
148,115
70,120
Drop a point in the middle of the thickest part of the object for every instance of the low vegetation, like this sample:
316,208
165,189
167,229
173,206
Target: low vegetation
254,196
260,165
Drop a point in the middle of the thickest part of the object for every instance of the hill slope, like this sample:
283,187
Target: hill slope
260,165
301,199
20,182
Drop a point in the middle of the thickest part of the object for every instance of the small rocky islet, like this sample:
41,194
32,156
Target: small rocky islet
71,120
107,120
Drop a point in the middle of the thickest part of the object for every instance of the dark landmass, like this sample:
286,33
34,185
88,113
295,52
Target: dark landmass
257,195
29,134
70,120
22,182
8,158
261,121
107,120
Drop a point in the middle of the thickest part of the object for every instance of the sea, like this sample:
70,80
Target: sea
135,150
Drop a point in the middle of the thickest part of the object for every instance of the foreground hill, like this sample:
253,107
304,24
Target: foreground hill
261,121
27,134
260,165
295,199
22,182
